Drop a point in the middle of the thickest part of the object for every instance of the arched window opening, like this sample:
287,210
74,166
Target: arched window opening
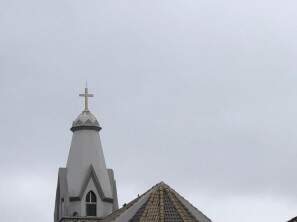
91,204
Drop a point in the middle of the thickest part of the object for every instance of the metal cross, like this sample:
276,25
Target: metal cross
86,95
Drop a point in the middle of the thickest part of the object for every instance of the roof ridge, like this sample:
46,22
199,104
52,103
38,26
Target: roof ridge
179,206
162,208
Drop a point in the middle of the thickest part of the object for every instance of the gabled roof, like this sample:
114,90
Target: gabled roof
160,204
92,175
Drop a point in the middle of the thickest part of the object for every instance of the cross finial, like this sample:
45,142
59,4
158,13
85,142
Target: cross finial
86,95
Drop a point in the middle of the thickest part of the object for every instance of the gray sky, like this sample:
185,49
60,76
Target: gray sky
198,93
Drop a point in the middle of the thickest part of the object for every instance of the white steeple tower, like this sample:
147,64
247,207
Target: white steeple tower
85,187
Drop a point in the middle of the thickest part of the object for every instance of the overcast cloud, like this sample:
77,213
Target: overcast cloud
198,93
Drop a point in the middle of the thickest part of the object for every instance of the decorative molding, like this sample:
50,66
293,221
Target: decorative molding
76,128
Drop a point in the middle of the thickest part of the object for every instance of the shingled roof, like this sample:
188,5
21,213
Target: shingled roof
159,204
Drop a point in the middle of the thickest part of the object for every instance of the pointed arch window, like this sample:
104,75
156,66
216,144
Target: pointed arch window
91,204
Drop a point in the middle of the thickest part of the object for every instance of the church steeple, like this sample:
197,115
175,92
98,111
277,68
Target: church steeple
85,172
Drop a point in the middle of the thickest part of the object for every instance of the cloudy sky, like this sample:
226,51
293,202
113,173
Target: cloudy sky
201,94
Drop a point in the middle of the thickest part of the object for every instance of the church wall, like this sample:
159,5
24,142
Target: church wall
107,208
114,189
74,206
